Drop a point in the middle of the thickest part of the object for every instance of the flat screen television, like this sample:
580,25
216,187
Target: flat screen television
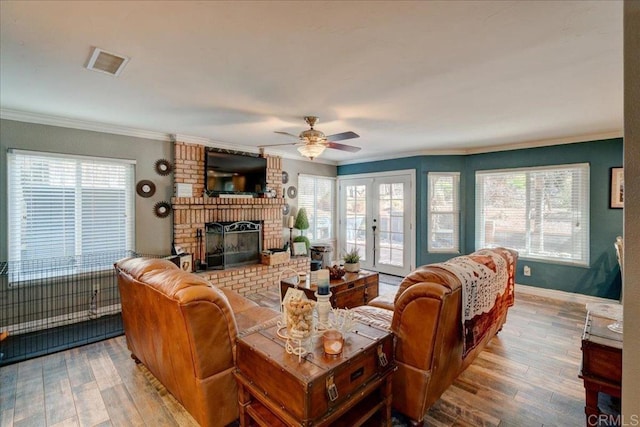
228,172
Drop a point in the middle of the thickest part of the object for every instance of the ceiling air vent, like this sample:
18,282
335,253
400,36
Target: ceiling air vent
107,62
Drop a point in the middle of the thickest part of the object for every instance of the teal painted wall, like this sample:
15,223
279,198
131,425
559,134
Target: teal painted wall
601,278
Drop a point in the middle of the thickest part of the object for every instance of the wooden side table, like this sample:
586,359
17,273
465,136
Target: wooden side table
276,389
601,363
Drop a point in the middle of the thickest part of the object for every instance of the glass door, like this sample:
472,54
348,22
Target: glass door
353,222
376,216
391,236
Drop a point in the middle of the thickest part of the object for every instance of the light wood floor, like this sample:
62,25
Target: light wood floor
528,376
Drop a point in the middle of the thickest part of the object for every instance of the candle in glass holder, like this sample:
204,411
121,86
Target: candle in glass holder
332,342
291,221
323,282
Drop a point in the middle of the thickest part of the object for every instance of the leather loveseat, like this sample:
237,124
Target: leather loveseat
184,329
434,345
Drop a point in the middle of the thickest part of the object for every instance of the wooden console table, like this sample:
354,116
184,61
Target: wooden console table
352,290
601,363
276,389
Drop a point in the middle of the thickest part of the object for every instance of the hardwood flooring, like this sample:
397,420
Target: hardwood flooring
528,376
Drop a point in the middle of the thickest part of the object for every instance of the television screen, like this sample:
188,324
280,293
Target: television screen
229,173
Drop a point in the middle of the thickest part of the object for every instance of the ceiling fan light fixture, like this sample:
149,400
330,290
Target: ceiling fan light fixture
312,135
311,151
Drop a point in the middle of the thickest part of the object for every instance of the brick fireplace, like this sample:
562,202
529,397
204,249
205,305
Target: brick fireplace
190,214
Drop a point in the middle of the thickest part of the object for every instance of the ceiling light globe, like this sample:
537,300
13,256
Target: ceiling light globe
311,151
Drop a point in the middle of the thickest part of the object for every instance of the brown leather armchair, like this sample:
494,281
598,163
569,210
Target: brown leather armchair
426,317
184,329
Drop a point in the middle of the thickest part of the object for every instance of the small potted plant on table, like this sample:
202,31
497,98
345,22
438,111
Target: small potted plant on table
352,261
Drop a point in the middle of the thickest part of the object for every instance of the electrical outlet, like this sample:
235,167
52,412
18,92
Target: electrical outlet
527,270
96,288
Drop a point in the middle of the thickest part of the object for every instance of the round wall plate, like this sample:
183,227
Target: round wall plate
145,188
292,192
162,209
285,177
285,209
163,167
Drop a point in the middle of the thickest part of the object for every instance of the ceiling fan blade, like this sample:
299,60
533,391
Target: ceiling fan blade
342,136
286,133
278,145
343,147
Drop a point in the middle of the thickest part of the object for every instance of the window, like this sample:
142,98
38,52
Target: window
543,212
317,195
65,210
444,212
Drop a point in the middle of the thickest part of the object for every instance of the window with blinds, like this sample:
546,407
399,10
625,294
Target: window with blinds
444,212
542,212
71,207
317,195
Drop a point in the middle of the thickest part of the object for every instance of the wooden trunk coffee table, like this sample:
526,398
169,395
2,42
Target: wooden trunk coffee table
277,389
352,290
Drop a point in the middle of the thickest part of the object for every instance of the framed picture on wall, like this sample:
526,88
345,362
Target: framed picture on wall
617,188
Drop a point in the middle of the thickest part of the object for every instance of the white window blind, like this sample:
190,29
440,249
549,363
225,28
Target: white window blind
67,206
543,212
317,195
444,211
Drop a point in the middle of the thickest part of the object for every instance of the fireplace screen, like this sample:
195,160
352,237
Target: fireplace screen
232,243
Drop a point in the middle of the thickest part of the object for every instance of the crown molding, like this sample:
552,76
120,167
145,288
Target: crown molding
547,142
65,122
44,119
492,148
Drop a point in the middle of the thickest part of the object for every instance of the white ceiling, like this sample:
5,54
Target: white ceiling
409,77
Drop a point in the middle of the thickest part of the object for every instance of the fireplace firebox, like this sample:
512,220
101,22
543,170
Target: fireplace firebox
230,244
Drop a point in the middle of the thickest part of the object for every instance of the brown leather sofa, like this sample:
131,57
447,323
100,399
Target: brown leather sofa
184,329
426,317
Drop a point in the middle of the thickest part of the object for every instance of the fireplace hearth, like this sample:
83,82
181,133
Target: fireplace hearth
230,244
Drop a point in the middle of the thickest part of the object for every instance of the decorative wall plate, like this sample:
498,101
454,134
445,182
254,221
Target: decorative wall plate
292,192
162,209
285,177
145,188
163,167
285,209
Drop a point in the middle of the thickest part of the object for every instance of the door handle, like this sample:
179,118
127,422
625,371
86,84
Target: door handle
373,227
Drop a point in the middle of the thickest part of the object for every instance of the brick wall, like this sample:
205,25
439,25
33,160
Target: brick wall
191,214
254,278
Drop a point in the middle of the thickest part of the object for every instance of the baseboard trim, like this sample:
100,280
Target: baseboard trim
561,295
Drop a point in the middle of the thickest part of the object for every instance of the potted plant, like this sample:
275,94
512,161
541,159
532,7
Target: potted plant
302,223
352,261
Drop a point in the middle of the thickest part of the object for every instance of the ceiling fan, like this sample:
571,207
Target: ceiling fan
313,142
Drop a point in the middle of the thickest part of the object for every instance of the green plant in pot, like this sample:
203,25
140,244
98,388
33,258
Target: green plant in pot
302,223
352,261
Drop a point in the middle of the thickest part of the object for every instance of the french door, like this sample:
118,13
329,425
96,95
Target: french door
376,216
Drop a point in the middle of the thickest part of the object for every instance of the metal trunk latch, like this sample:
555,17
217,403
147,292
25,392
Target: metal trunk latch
382,358
332,390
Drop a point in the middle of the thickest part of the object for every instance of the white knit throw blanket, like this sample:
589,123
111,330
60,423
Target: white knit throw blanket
480,284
